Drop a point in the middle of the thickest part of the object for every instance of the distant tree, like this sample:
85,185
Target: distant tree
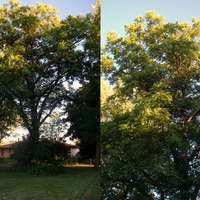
39,53
84,108
150,131
54,129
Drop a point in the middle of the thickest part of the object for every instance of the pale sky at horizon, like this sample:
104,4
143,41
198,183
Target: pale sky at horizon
116,13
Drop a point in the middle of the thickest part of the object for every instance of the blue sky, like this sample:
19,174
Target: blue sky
65,7
116,13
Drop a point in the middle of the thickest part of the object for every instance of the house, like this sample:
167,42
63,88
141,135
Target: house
7,149
73,149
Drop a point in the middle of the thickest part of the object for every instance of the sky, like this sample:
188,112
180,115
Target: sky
65,7
116,13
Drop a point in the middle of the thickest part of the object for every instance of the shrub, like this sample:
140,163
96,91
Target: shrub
24,153
40,158
45,168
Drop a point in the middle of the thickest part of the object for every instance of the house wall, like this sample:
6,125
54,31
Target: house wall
73,151
5,153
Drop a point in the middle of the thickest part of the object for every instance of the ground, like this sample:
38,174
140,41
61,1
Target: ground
77,183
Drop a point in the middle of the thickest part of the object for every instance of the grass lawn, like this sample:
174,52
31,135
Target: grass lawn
77,183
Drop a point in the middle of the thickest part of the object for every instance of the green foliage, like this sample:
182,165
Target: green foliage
84,108
150,130
45,168
40,158
38,54
8,118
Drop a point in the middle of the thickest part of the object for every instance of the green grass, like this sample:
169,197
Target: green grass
77,183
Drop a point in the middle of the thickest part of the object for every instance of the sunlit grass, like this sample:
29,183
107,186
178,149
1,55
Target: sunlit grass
78,165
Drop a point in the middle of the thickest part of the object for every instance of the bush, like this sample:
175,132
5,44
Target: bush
40,158
45,168
24,153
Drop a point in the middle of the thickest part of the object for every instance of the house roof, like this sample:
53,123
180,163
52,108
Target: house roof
14,145
9,146
71,145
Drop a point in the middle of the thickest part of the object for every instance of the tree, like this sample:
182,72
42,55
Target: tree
54,129
151,141
106,92
84,108
8,118
39,54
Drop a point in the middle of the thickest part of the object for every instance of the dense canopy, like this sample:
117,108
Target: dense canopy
40,58
151,124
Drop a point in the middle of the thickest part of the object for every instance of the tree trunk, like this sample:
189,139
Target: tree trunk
97,156
34,133
35,123
162,195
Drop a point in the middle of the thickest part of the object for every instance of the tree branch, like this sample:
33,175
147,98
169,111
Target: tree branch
194,114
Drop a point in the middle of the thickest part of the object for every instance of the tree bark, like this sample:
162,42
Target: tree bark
34,134
97,156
